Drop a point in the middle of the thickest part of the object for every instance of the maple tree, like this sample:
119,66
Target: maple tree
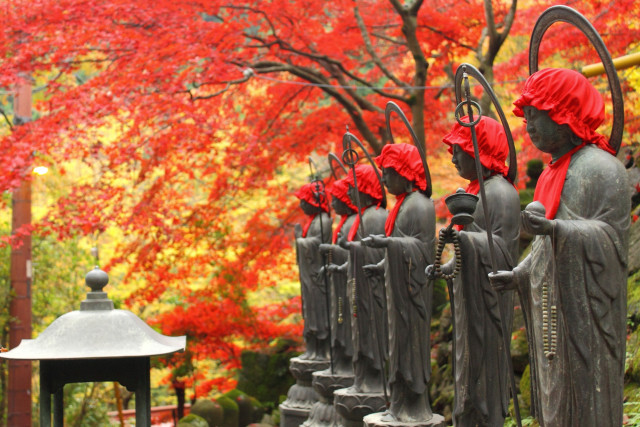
186,125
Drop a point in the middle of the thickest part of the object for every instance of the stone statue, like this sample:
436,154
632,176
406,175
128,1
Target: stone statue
409,240
367,299
337,262
340,374
573,283
480,370
301,396
310,265
367,303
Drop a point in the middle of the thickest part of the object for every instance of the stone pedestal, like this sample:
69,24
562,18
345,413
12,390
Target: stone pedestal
301,396
353,405
323,413
384,419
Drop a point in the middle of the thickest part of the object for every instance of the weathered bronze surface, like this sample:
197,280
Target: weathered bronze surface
573,283
409,248
312,284
487,244
367,305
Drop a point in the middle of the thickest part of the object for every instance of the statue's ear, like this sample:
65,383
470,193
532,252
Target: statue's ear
575,139
570,135
486,172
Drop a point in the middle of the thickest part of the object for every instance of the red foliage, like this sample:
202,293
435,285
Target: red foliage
211,103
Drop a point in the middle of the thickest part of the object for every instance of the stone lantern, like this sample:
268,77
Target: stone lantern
95,344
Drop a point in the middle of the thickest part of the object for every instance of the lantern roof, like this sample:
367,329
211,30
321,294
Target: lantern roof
96,331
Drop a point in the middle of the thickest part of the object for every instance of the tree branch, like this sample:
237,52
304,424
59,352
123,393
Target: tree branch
4,114
230,83
371,51
389,39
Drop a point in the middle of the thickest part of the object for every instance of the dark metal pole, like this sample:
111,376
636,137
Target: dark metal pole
321,196
19,387
350,158
494,265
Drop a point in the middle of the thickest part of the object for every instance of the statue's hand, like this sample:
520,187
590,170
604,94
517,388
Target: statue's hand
325,247
332,268
430,271
502,280
376,241
344,244
297,231
534,221
372,270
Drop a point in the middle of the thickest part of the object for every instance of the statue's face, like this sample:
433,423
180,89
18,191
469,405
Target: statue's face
547,135
355,196
308,208
464,163
396,184
340,207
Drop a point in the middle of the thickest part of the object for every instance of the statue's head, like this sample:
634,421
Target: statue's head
402,168
564,110
341,203
492,147
312,199
308,208
547,135
396,184
369,191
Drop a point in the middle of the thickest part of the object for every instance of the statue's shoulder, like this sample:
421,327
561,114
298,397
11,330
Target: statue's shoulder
597,163
377,213
326,218
501,187
418,201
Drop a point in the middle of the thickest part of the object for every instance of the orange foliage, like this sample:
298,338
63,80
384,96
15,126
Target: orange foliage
214,105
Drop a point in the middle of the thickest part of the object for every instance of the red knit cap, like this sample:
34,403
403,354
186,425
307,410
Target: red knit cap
492,143
339,191
569,98
405,159
308,193
368,181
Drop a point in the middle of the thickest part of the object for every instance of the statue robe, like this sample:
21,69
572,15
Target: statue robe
340,312
583,384
480,367
411,249
312,283
368,305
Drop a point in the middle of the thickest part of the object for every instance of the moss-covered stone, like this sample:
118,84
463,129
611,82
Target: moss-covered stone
632,403
633,300
230,408
210,410
258,409
634,241
275,417
526,197
525,390
193,420
519,343
250,410
265,375
632,371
